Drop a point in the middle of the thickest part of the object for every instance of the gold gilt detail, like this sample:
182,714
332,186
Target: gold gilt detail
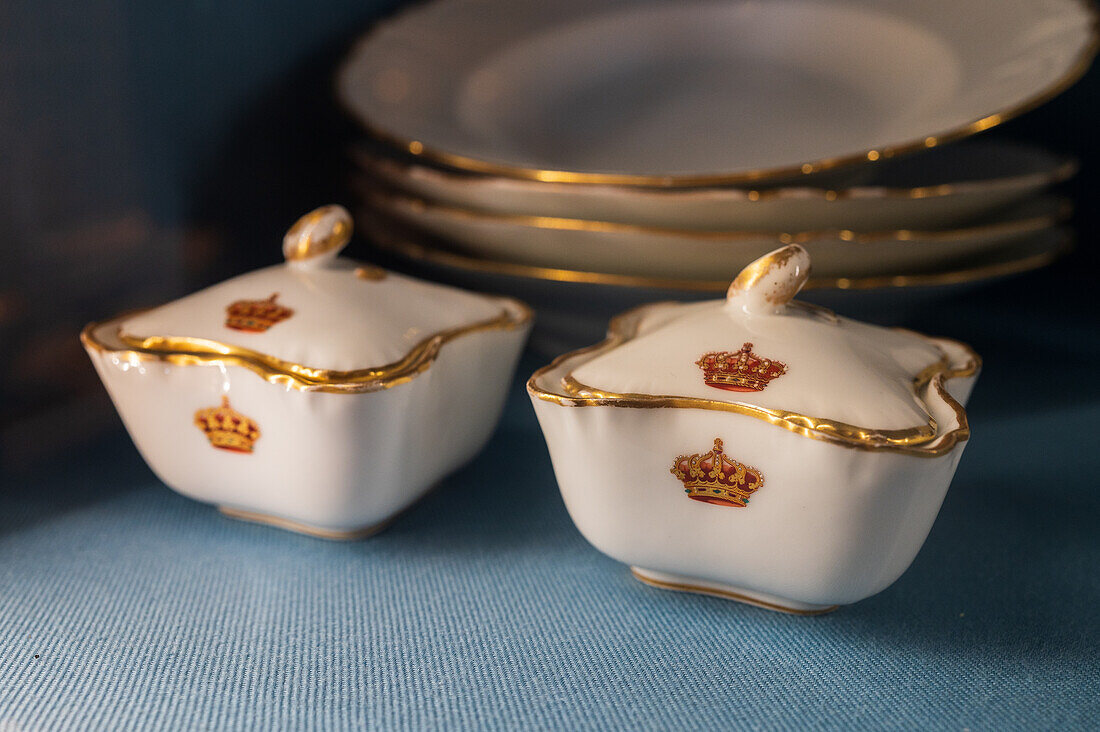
808,426
394,170
384,200
717,479
909,442
370,273
318,232
418,251
198,351
226,428
725,594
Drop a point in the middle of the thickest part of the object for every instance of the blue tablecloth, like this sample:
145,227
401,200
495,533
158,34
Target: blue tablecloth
125,605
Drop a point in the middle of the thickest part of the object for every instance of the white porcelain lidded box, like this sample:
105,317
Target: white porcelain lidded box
319,395
757,448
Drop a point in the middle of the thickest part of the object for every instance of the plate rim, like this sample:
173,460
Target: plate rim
1064,167
1061,209
1063,241
458,161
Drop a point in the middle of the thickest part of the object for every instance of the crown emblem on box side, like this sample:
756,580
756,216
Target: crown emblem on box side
714,478
256,316
739,370
226,428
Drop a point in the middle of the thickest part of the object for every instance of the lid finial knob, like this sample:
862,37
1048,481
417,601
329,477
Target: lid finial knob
318,236
767,284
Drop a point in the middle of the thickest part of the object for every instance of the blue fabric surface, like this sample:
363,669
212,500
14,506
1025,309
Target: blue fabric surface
123,605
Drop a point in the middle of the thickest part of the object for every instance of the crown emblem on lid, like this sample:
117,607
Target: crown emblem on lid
256,316
714,478
739,370
226,428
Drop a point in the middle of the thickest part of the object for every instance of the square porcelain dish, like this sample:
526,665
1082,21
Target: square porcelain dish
319,395
757,448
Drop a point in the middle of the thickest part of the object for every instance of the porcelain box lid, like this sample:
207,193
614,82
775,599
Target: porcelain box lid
778,358
319,316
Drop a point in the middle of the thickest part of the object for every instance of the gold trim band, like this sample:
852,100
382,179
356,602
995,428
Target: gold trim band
391,170
623,327
410,250
196,351
798,423
388,202
279,522
725,595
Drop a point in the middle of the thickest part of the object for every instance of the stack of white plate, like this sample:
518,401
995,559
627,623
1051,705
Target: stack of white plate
641,145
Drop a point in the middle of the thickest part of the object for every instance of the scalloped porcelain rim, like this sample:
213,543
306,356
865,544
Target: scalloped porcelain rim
623,327
457,161
193,351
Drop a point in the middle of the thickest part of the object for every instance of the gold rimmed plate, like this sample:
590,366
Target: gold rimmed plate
945,187
1030,252
628,249
658,94
574,306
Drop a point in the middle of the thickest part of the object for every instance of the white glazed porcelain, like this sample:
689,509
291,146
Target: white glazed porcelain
945,187
703,92
319,395
627,249
838,441
574,307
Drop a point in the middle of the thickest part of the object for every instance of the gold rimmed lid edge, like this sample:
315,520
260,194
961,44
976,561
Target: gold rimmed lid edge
105,337
922,441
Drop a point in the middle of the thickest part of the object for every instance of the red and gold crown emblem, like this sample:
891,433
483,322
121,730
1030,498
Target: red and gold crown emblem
714,478
256,316
226,428
740,370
